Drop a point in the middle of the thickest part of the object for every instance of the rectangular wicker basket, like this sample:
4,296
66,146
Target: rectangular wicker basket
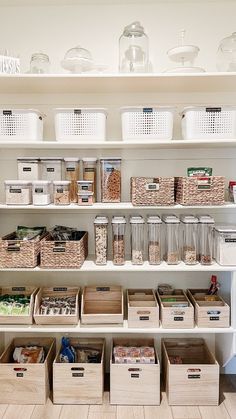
152,191
15,253
67,254
200,191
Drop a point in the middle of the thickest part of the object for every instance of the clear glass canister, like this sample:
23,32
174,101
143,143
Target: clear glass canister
118,240
72,175
226,54
90,172
28,168
137,240
101,239
205,229
190,244
61,192
41,190
154,239
39,63
134,50
52,169
172,246
110,180
18,192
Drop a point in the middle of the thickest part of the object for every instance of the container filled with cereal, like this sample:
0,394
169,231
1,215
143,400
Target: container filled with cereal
110,180
61,192
172,246
90,172
118,240
72,175
101,239
154,239
190,234
137,240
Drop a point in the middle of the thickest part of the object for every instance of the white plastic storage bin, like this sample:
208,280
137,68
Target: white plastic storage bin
21,125
80,124
147,123
203,123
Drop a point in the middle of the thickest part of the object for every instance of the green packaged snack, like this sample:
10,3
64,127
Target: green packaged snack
29,233
199,171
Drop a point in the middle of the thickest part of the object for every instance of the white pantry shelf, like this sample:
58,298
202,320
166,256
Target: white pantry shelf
118,83
147,144
90,266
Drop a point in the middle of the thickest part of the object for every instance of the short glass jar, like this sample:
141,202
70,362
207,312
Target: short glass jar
39,63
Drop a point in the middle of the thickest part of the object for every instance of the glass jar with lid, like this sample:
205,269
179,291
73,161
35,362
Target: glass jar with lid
134,49
78,60
190,230
137,240
226,54
39,63
72,175
101,239
118,240
206,229
172,245
154,239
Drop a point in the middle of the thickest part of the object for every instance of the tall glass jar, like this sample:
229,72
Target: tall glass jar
101,239
134,50
154,239
172,246
90,172
39,63
190,230
137,240
110,179
72,175
206,228
118,240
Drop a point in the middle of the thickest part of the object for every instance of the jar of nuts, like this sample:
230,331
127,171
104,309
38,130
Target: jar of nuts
61,192
137,240
190,230
101,240
206,226
110,180
154,239
172,248
118,240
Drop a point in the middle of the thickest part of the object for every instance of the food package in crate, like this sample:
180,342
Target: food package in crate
151,191
21,125
147,123
196,190
211,122
80,124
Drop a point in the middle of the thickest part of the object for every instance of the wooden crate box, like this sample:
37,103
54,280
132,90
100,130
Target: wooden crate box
56,318
79,383
102,305
26,383
143,308
195,381
19,318
134,384
176,317
209,313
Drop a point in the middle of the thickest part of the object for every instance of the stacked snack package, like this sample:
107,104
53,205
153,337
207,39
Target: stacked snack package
134,355
28,355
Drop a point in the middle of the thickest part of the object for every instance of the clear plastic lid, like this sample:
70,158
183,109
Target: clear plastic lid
85,182
78,52
110,159
89,159
71,159
171,219
101,220
28,159
206,219
118,220
17,182
52,159
226,228
41,182
61,182
154,219
189,219
136,220
85,194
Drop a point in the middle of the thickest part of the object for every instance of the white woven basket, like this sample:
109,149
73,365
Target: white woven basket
201,123
21,124
80,124
140,123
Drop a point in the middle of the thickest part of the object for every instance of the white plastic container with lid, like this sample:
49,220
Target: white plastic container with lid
80,124
61,192
101,239
172,243
154,239
190,242
41,190
28,168
51,168
118,239
205,233
18,192
137,240
21,125
225,245
147,123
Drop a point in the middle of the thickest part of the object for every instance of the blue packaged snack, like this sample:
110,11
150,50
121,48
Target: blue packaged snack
67,353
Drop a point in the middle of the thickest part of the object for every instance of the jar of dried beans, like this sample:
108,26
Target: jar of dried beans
190,230
118,240
110,180
101,240
206,228
154,239
72,175
137,240
172,248
61,192
90,172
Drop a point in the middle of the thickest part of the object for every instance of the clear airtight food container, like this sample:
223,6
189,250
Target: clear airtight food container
28,168
110,180
101,239
85,198
225,245
205,233
72,175
137,240
85,186
190,230
154,239
118,240
172,246
51,169
18,192
90,172
41,190
61,192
